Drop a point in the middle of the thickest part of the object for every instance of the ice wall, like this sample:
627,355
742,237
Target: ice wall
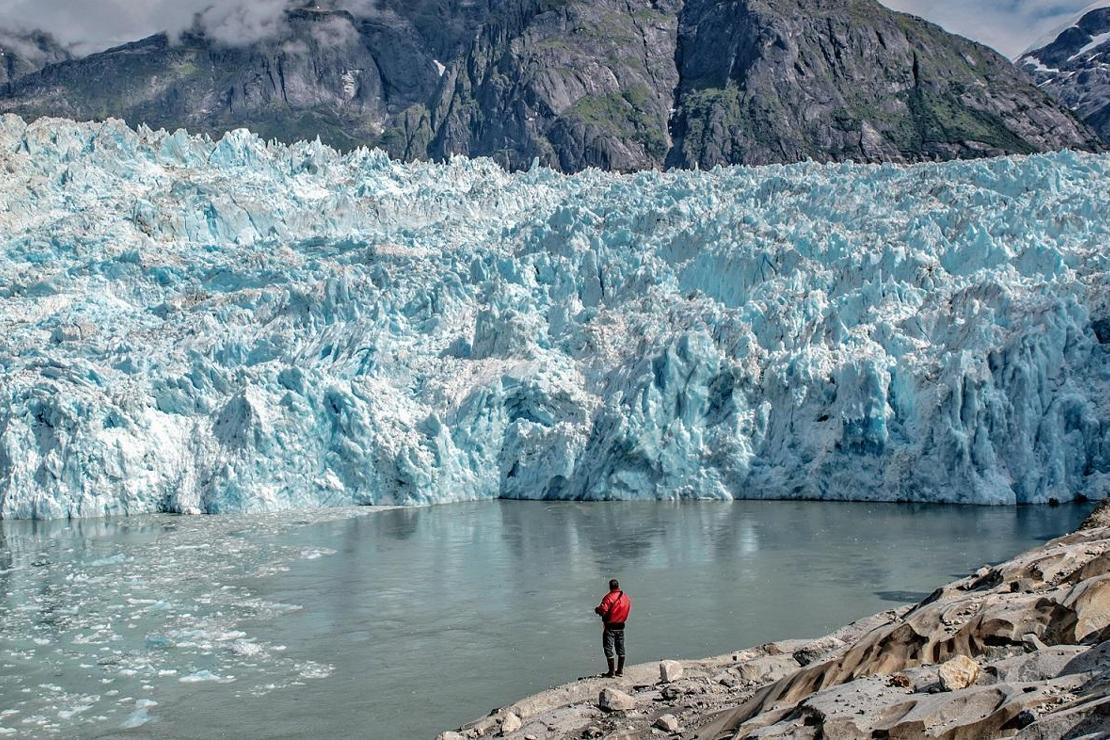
198,326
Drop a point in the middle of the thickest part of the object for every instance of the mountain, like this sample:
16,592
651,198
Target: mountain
702,82
1074,66
22,53
616,84
193,325
327,73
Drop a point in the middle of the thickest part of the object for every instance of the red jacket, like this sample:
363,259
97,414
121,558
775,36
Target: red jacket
614,607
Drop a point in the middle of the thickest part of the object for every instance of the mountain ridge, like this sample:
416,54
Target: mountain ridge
1074,67
642,84
1050,36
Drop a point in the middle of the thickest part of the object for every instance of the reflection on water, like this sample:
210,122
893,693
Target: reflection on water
403,622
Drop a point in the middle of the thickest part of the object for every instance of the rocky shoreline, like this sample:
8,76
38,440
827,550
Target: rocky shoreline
1020,649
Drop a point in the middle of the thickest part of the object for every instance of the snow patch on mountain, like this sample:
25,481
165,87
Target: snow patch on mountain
1049,36
211,326
1074,67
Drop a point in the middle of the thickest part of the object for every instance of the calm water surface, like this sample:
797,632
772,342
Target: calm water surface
400,623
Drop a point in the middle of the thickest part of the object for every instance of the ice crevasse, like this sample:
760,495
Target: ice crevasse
192,325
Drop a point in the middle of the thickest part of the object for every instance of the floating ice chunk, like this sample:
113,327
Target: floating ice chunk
158,642
205,675
72,712
316,552
110,560
246,648
141,715
312,669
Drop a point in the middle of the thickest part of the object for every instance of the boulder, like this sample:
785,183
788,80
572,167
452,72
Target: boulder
767,669
958,673
668,723
815,650
612,700
782,647
727,678
511,723
669,670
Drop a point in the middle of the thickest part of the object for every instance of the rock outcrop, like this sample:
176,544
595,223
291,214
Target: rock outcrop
616,84
1021,649
1100,517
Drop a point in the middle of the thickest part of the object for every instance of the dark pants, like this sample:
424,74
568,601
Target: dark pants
612,640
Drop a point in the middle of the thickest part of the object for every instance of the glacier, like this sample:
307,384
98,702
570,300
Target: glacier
204,326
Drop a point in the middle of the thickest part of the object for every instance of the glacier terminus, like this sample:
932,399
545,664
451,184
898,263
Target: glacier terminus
190,325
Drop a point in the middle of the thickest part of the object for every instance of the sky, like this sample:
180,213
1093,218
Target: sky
91,25
1011,26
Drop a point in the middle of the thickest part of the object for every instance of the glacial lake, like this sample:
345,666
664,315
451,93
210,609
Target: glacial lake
400,623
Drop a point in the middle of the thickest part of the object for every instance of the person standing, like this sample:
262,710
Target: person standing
613,610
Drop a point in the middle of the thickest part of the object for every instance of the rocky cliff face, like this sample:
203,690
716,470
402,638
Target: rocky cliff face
1075,68
574,84
628,85
772,80
701,83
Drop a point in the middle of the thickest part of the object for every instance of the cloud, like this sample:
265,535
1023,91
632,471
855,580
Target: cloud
26,48
92,25
241,23
1010,26
336,32
86,26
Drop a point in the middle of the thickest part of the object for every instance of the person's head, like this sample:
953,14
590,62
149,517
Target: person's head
614,584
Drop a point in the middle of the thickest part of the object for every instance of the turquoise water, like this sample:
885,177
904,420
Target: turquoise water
400,623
